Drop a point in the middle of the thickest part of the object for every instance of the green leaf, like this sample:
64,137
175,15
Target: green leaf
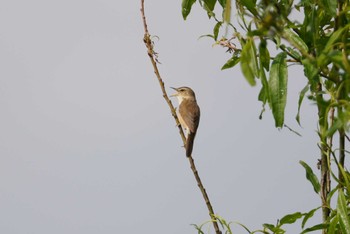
186,7
311,72
301,97
264,55
198,228
332,192
208,35
294,53
330,6
332,229
209,4
337,125
291,218
345,175
337,58
315,228
231,62
343,213
278,88
248,62
335,36
264,92
285,7
308,215
216,30
223,3
250,5
271,227
311,176
243,227
295,40
323,59
310,25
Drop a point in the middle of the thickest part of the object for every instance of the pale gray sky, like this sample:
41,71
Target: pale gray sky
88,145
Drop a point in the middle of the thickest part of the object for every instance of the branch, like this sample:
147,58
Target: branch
153,58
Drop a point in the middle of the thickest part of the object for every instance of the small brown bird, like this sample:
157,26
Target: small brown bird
189,115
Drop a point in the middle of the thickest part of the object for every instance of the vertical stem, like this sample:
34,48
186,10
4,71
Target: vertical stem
325,163
341,155
325,182
342,95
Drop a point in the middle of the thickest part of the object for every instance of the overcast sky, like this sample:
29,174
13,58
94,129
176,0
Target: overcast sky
88,145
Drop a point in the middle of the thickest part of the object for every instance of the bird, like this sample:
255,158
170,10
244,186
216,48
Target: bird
188,113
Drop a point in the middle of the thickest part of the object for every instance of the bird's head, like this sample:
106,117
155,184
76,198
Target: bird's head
183,93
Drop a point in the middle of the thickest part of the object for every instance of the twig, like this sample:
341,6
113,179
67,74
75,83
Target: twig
152,55
228,44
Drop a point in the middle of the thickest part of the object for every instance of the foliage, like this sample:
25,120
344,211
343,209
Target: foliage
265,38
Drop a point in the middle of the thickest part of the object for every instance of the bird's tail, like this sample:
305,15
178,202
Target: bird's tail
189,143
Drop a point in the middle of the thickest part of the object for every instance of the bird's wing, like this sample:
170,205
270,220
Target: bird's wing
191,118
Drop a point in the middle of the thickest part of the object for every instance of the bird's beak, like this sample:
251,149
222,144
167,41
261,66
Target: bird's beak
175,94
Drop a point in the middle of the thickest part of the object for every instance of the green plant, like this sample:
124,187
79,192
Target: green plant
264,39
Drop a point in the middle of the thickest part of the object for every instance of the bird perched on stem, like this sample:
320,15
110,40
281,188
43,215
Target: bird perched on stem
189,114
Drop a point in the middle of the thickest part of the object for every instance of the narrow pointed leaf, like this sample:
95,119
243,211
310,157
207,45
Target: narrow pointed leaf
216,30
343,213
243,227
337,125
264,55
186,7
295,40
231,62
311,177
248,62
345,175
308,215
207,35
335,36
264,92
301,98
315,228
278,88
291,218
332,229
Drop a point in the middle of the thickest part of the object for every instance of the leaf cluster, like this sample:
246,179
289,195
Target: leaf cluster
319,43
